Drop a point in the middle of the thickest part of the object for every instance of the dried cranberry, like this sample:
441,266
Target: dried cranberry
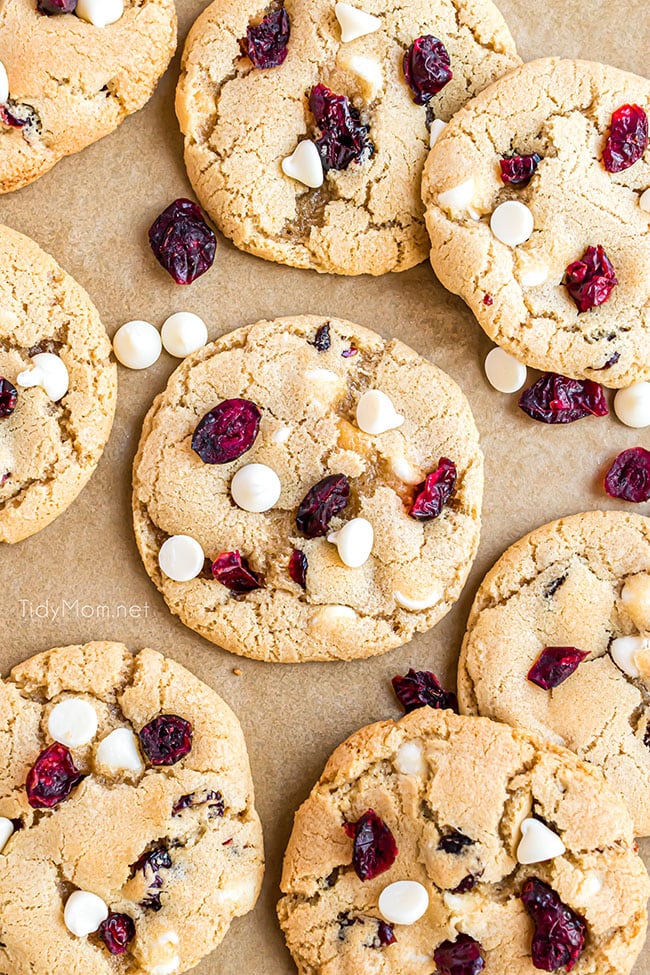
343,139
298,567
628,138
419,689
591,280
554,665
182,241
167,739
488,300
374,848
234,572
559,932
629,476
556,399
227,431
117,932
519,170
426,68
52,777
348,353
324,500
385,934
8,397
56,6
19,115
214,800
468,883
646,737
613,359
151,863
464,956
454,842
266,43
322,340
435,491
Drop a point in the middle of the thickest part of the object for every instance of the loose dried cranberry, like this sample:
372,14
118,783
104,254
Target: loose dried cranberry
519,170
468,883
298,567
628,138
266,43
167,739
629,476
426,68
8,397
559,932
419,689
234,572
454,842
52,777
556,399
182,241
56,6
343,139
554,665
591,280
227,431
117,932
435,491
151,863
464,956
374,848
324,500
385,934
322,340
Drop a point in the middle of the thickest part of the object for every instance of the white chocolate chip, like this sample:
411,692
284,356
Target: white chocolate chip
119,751
305,165
538,843
635,596
49,372
73,722
100,13
354,22
534,276
183,333
164,954
405,470
414,604
333,617
458,198
354,542
409,759
281,435
84,912
632,405
368,70
436,130
6,831
137,344
590,886
403,902
644,201
181,558
504,372
624,650
512,223
4,84
255,487
376,413
322,376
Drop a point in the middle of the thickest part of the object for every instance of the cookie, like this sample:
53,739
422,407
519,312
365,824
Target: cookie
57,388
306,490
558,641
461,845
130,840
304,140
536,210
72,81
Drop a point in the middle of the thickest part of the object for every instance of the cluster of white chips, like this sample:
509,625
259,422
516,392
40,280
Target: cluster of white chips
138,344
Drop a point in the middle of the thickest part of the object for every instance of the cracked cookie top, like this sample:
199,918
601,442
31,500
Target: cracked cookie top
459,885
536,211
258,85
139,860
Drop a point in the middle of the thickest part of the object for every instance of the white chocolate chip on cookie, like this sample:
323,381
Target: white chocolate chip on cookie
354,22
255,487
4,84
73,722
636,600
6,831
354,542
181,558
410,759
304,165
376,413
100,13
48,371
84,912
512,223
538,843
403,902
120,751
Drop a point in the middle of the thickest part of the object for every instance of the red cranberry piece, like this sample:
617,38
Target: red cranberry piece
628,138
117,932
227,431
52,777
19,115
56,6
214,801
419,689
348,353
234,572
343,139
385,934
519,170
374,848
151,863
322,340
488,300
556,399
324,500
435,491
554,665
167,739
559,932
629,476
468,883
298,567
454,842
8,397
591,280
426,68
182,241
464,956
266,43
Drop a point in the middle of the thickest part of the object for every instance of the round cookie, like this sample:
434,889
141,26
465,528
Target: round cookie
581,582
562,111
71,82
456,795
49,444
170,852
294,599
241,122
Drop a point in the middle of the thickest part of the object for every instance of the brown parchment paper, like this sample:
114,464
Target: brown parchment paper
81,579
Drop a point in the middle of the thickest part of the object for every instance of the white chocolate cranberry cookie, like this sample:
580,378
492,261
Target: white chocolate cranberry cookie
539,217
306,490
458,845
558,641
74,70
307,124
128,832
57,388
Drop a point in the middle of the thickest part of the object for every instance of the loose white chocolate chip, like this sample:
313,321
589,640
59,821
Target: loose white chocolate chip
4,84
137,345
436,130
354,22
632,405
368,70
403,902
183,333
538,843
165,957
305,165
73,722
512,223
624,650
504,372
255,487
417,605
119,751
636,600
354,542
458,198
49,372
100,13
644,201
181,558
6,831
84,912
409,759
376,413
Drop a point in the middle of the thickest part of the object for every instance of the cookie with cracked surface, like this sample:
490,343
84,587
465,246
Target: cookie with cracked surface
362,213
71,82
132,839
51,434
578,584
458,795
560,278
354,540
